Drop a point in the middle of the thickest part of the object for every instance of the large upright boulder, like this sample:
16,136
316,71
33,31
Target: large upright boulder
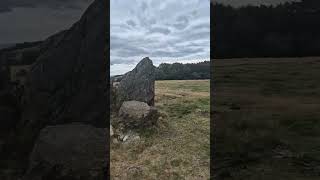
137,84
68,81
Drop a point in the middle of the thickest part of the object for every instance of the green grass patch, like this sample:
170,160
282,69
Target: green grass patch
267,117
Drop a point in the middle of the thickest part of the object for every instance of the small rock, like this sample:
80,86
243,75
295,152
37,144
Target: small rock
131,137
111,131
115,140
121,136
125,138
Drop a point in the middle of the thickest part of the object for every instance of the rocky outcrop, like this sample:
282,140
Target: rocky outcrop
137,84
72,150
137,115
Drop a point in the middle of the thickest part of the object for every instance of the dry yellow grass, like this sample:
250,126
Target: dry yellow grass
179,148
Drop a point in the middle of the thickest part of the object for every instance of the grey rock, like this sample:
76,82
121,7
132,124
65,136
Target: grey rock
68,83
131,137
72,150
135,114
111,131
137,84
115,141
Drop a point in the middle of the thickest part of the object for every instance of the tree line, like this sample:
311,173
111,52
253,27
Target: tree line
286,30
179,71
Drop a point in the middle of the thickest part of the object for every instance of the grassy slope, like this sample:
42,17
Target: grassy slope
179,148
267,113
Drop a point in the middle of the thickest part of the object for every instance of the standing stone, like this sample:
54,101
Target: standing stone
68,80
137,84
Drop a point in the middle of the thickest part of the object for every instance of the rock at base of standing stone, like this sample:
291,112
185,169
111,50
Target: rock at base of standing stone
137,115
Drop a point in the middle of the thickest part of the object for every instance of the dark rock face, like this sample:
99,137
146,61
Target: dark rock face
137,84
137,115
20,56
72,150
67,82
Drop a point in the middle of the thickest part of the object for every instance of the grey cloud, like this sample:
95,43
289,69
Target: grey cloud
161,30
144,6
8,5
182,52
145,21
121,47
35,24
131,23
200,26
121,61
181,22
117,42
157,48
129,51
152,21
125,26
194,13
196,35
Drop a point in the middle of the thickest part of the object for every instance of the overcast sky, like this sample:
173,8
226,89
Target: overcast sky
33,20
165,30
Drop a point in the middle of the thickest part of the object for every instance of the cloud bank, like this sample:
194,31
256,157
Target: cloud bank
34,20
166,31
10,5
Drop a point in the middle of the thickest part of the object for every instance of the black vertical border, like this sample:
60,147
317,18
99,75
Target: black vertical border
107,63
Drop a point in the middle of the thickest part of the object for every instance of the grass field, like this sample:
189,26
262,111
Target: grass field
267,116
179,148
